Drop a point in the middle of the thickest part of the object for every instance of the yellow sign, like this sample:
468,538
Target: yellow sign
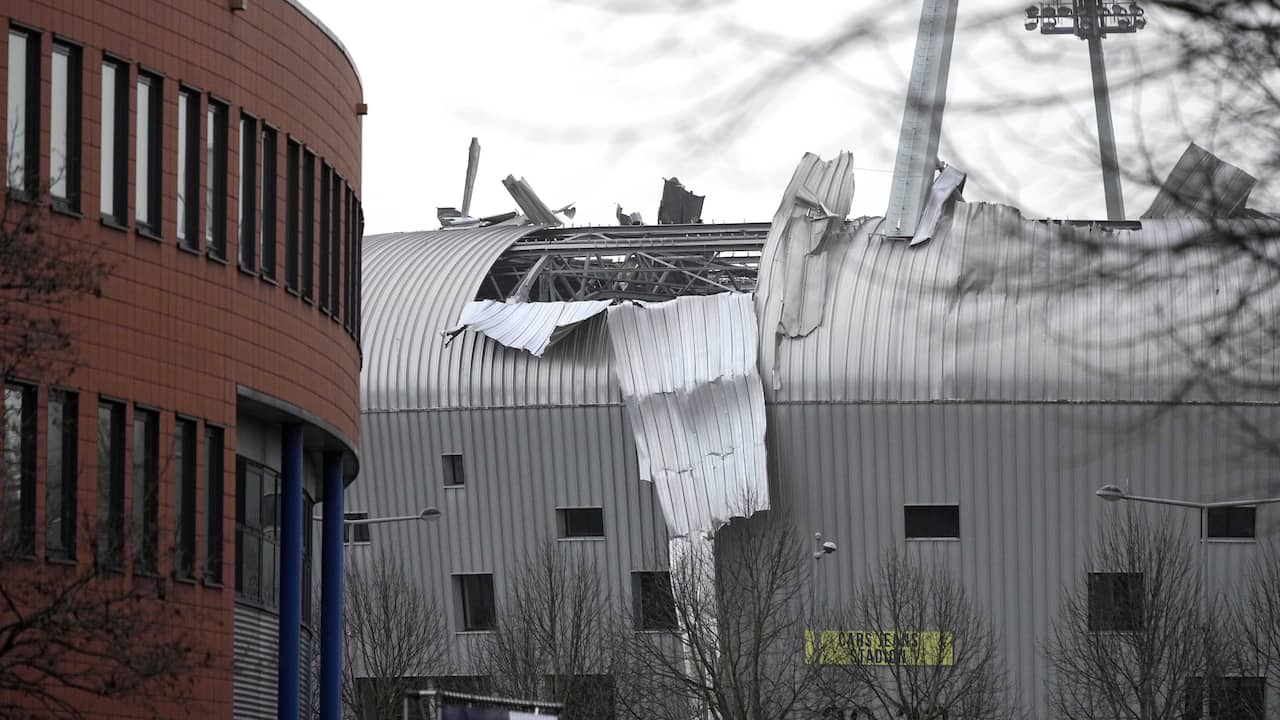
881,647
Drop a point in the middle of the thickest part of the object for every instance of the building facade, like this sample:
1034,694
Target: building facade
918,405
210,153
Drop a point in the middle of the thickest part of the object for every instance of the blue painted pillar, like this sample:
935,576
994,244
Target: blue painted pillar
290,573
331,591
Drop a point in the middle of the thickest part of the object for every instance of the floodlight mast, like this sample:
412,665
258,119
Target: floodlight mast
1092,20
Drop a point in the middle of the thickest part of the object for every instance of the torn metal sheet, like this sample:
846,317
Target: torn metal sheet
687,370
949,185
1202,185
679,206
527,326
530,204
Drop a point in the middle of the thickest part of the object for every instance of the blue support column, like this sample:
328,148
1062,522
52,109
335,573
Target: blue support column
290,573
331,591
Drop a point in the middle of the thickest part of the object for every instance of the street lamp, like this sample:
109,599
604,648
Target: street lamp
1093,20
1115,493
820,550
427,515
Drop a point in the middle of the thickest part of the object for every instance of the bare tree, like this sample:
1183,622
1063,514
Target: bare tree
71,637
912,644
1261,612
1137,640
552,636
396,636
737,621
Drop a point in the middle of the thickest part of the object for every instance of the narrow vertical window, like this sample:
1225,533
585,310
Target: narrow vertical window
359,275
247,231
146,178
19,469
184,464
188,169
23,118
348,259
64,128
324,237
267,200
215,191
292,157
61,470
146,490
110,536
213,505
308,223
335,243
113,171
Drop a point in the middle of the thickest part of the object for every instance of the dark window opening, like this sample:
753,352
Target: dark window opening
293,155
184,463
581,522
1115,602
110,536
215,192
147,159
247,230
62,470
213,504
19,470
188,169
349,263
64,128
359,533
22,123
1230,698
453,471
267,200
114,169
1232,522
146,490
257,534
308,223
932,521
476,599
324,236
335,243
655,606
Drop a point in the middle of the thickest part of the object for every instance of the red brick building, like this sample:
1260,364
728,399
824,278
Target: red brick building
211,150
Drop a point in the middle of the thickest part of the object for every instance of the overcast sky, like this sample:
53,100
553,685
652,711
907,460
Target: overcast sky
596,106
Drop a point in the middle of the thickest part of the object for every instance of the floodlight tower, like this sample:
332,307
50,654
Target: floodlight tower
1092,20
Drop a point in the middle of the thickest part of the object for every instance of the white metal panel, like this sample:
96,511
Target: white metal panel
531,326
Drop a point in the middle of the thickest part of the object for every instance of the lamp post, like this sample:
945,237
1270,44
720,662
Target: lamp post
427,515
820,550
1115,493
1092,20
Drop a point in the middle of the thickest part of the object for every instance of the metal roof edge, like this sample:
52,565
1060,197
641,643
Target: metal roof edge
297,5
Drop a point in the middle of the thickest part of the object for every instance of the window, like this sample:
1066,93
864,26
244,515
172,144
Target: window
61,467
581,522
184,526
1232,522
267,201
348,261
655,606
257,533
19,469
308,223
23,118
146,178
247,235
1230,698
335,243
213,486
1115,602
324,236
215,190
453,474
64,128
359,276
110,551
146,491
354,534
188,169
930,522
475,596
293,156
113,171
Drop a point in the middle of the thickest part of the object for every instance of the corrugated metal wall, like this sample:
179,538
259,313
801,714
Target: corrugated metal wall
257,641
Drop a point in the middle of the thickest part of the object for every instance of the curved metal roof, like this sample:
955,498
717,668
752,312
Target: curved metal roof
950,320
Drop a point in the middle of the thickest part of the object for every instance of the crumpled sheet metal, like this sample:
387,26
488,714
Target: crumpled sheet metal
1202,185
948,184
531,326
687,370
